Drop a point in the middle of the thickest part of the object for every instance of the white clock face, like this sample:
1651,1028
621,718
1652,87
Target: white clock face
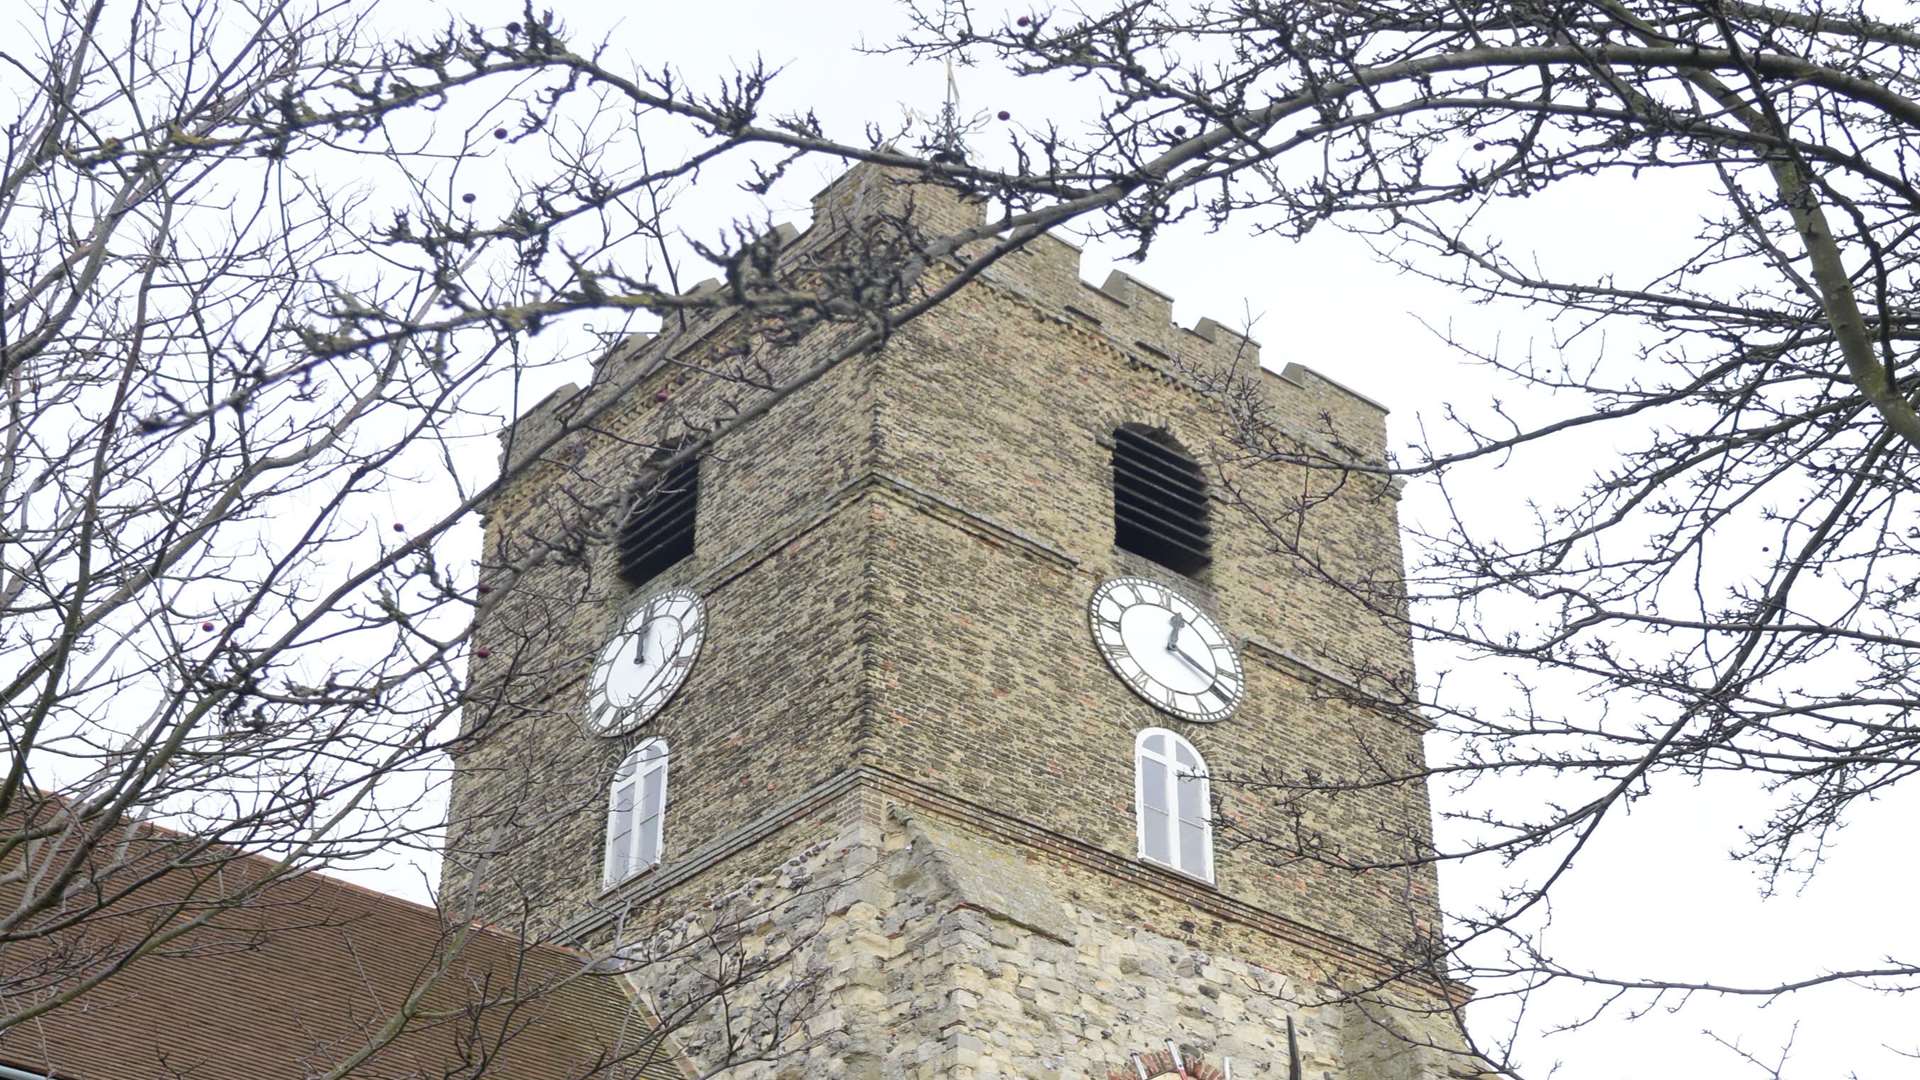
644,664
1168,651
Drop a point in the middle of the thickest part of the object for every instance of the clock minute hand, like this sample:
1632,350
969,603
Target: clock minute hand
1173,631
1192,663
640,643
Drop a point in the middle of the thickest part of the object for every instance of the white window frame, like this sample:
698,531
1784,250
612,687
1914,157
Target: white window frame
641,762
1173,773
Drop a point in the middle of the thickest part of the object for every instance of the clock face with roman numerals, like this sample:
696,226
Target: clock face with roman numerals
645,663
1167,650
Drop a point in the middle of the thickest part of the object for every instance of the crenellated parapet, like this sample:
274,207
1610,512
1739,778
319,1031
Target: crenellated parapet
1130,315
1137,319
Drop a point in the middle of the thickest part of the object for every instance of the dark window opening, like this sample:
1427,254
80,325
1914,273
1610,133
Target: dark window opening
659,531
1159,500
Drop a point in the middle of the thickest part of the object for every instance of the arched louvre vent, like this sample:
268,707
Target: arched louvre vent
659,531
1159,500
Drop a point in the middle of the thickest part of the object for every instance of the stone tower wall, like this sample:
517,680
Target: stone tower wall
994,419
772,705
896,562
901,939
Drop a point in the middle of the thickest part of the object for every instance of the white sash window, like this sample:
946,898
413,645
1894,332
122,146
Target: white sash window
1171,803
635,810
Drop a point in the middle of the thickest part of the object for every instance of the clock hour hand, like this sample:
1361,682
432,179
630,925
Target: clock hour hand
1173,644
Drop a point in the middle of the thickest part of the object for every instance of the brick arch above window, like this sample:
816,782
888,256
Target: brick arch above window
1159,1064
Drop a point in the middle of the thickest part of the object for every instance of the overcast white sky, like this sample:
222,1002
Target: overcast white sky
1659,886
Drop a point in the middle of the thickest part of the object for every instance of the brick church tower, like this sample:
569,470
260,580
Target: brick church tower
893,712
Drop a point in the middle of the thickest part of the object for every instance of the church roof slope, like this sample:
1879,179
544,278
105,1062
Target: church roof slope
300,978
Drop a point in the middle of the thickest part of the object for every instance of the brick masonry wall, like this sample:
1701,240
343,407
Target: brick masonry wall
988,680
770,707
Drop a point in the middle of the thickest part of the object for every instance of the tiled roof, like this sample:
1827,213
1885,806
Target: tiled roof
297,981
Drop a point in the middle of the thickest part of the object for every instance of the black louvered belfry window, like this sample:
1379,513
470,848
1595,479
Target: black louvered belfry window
1159,500
659,531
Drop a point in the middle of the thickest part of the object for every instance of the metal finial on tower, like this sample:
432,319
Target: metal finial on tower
948,137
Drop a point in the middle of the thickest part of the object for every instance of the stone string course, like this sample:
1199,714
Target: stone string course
896,562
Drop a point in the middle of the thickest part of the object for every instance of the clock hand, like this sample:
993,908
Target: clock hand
1173,632
640,644
1192,663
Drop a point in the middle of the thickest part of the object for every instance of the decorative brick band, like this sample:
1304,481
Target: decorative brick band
1161,1064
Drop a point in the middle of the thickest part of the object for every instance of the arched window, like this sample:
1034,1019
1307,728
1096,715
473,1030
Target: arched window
635,810
1159,500
1170,803
659,531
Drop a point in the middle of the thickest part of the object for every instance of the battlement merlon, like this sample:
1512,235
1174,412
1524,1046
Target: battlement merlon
1135,316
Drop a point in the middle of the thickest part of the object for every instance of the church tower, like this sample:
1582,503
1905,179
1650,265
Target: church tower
924,713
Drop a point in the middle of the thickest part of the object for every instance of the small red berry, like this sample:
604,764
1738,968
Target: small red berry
1179,130
661,395
397,527
499,133
206,626
467,198
485,589
1005,115
513,28
1023,21
483,652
